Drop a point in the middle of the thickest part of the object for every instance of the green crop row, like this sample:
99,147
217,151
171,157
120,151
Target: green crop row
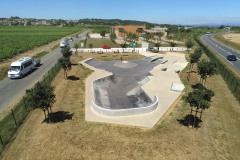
16,40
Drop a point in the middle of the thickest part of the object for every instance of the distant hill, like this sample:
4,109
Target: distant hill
113,22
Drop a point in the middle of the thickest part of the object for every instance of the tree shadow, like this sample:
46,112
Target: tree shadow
198,86
190,120
73,78
74,64
59,116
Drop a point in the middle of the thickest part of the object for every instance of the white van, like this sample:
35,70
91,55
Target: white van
21,67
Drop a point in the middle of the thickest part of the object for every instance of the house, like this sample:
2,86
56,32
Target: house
123,30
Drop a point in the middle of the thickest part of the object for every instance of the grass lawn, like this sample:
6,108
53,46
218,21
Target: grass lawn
217,138
99,43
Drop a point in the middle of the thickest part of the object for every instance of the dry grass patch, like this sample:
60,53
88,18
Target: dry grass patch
218,137
233,42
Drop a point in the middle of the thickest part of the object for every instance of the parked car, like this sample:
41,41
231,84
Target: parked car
106,47
231,57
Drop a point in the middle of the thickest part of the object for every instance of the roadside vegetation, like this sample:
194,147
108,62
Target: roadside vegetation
229,43
41,54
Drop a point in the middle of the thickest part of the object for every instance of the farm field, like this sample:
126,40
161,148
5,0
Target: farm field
16,40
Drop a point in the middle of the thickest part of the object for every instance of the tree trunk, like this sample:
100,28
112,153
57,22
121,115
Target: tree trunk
65,74
49,116
195,116
50,109
189,118
44,113
190,68
205,81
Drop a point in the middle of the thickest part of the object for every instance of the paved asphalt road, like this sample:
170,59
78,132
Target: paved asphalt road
13,89
222,50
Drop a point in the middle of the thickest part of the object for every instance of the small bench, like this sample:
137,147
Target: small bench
114,55
92,51
116,51
164,61
125,54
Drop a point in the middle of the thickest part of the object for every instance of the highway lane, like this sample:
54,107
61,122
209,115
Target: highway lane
11,90
222,50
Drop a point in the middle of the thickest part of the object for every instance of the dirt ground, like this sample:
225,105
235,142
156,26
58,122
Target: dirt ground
234,37
217,138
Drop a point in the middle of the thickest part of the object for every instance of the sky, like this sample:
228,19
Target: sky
155,11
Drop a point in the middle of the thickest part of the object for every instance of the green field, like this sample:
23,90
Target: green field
99,43
16,40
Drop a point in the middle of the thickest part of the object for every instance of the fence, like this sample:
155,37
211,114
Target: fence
10,123
231,78
129,50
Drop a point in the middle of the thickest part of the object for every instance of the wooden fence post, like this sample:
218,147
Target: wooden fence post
236,86
1,140
14,117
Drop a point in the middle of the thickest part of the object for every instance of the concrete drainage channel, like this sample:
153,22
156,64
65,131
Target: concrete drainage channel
111,98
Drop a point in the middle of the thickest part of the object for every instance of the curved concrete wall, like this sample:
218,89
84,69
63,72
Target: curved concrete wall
126,112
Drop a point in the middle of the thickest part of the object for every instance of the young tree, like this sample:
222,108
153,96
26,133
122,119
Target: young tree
122,30
189,44
66,52
158,44
123,45
172,44
90,45
113,37
76,46
42,97
206,68
102,33
200,99
65,64
194,58
148,36
159,35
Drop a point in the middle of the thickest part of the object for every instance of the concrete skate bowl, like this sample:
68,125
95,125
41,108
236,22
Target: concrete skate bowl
122,96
